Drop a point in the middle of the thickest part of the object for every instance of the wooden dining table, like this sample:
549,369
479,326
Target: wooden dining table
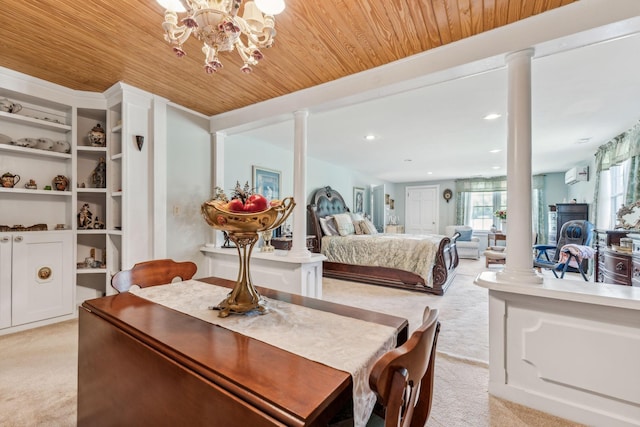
142,363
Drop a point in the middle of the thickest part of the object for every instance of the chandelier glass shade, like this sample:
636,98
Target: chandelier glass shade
218,26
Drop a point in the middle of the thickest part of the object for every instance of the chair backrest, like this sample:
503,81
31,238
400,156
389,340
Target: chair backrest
152,273
403,377
576,232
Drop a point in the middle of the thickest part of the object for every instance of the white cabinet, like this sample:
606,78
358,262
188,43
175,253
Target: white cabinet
36,276
120,234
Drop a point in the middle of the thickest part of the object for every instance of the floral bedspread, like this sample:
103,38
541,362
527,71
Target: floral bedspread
409,252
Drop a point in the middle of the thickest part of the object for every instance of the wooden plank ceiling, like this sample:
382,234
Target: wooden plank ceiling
90,45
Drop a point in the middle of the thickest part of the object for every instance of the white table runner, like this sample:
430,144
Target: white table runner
344,343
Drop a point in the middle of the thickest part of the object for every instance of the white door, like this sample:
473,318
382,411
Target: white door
422,207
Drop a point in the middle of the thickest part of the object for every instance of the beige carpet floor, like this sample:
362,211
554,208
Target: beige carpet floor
38,368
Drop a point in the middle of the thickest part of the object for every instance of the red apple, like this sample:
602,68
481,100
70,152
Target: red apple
256,203
235,205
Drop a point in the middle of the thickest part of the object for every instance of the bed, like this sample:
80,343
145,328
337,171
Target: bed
433,274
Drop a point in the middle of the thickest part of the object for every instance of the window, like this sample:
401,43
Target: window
612,193
482,208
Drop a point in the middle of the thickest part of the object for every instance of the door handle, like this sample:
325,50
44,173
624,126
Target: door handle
17,239
4,239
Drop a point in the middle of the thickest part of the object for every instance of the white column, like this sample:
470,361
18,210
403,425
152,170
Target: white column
519,263
299,244
216,237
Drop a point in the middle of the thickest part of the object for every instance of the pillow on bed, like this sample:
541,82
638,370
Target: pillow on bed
356,217
368,227
344,223
328,226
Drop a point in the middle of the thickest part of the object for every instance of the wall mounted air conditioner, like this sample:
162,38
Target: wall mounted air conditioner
573,175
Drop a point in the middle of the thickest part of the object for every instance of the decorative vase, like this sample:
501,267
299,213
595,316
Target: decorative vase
243,229
503,226
60,182
97,136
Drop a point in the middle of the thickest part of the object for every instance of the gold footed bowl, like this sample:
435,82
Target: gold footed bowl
243,229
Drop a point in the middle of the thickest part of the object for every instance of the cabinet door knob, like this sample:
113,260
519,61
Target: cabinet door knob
17,239
620,266
4,239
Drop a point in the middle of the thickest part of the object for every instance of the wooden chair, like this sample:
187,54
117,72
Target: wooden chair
403,377
152,273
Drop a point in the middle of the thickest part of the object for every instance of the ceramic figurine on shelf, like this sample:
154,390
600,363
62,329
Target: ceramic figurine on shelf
99,174
98,225
85,217
31,185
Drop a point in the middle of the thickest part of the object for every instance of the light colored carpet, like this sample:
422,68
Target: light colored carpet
38,368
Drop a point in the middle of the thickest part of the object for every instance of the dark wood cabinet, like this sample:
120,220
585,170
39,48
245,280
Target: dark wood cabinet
612,266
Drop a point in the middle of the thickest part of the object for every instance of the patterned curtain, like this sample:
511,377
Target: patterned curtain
539,215
622,147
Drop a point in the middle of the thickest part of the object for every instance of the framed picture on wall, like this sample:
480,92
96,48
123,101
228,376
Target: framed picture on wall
358,199
266,182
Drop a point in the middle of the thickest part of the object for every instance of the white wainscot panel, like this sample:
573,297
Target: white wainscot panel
585,358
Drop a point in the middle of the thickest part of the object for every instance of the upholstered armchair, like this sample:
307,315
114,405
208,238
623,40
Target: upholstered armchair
468,246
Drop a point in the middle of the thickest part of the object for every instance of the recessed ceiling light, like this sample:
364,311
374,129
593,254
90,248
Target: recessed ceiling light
370,137
497,150
429,173
492,116
496,167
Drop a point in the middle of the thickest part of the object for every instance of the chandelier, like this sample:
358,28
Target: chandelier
217,25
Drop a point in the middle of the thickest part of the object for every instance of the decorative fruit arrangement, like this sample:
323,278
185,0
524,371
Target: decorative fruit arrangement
243,200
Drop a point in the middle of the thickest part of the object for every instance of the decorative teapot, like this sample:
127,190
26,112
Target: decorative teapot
9,180
97,137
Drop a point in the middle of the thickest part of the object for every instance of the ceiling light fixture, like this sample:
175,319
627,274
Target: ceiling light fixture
216,24
497,150
492,116
370,137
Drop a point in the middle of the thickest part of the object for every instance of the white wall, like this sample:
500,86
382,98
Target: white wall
188,177
241,153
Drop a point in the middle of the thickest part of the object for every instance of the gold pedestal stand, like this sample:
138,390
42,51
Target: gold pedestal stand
243,230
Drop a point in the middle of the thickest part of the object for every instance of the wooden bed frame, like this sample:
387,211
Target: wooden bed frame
326,201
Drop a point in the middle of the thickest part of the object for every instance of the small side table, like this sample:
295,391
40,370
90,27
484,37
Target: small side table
496,237
398,229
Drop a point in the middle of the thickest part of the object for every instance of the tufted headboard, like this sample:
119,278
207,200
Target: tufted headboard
324,201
